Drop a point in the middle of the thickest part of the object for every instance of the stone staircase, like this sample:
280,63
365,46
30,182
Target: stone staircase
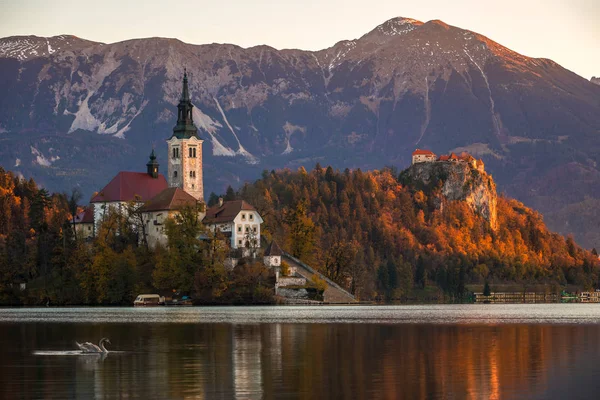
334,294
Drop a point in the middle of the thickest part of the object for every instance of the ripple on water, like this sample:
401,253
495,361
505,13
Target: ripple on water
406,314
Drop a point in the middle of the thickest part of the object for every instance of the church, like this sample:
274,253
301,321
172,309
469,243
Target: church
158,198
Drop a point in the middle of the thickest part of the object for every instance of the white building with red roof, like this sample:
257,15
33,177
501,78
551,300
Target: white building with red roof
419,156
237,220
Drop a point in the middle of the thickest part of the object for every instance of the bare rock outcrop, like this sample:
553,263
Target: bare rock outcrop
461,181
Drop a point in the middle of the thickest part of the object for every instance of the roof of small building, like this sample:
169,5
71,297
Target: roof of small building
273,250
169,199
131,186
227,212
85,217
419,152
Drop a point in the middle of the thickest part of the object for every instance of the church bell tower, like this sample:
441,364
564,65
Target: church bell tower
185,149
152,165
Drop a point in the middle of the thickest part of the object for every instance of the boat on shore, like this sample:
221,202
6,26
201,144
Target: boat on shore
183,301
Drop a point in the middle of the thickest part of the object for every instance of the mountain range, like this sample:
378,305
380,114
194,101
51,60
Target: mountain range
74,112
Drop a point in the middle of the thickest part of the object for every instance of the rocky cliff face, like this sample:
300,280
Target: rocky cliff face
595,80
460,182
75,112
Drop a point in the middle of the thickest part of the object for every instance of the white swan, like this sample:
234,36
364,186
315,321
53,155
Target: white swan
88,347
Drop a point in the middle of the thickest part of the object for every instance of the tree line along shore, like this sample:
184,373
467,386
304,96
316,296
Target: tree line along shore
376,234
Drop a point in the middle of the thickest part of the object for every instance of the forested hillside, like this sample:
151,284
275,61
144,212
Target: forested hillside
39,250
380,238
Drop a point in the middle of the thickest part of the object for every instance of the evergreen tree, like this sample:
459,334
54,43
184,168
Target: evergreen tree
487,291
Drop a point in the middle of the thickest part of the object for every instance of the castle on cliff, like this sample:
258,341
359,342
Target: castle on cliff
419,156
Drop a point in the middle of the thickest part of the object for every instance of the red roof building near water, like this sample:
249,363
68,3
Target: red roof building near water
227,212
131,186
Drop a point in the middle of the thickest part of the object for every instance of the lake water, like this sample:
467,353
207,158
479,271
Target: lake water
355,352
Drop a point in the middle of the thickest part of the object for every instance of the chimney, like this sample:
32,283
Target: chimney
220,202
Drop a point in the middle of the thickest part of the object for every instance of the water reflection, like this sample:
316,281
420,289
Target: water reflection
303,361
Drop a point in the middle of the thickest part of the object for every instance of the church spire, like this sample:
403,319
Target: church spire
185,93
185,128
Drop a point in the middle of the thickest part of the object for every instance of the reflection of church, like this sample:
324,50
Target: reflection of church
161,198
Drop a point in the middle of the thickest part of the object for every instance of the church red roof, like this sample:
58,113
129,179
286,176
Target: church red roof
419,152
169,199
128,186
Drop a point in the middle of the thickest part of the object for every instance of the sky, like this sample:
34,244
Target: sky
566,31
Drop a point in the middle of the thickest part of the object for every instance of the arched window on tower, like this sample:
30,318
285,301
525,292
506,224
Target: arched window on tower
194,152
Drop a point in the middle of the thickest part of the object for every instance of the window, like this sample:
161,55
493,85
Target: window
239,228
254,229
174,174
192,152
89,228
175,152
240,242
243,217
251,216
192,185
247,229
191,174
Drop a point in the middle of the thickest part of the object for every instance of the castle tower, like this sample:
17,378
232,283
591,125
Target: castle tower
185,149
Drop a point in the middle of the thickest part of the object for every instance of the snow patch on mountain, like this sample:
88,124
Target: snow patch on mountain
495,118
207,124
26,47
204,122
341,54
121,133
50,49
289,130
250,159
398,26
595,80
83,117
42,160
